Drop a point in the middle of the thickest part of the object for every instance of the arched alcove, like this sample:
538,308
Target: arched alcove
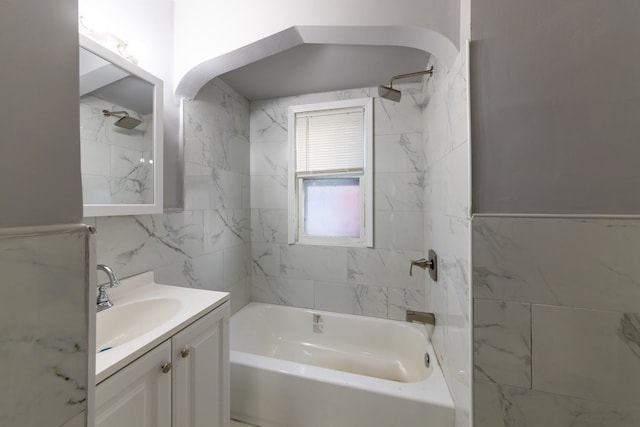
414,37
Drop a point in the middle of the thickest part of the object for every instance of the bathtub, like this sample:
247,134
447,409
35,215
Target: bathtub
308,368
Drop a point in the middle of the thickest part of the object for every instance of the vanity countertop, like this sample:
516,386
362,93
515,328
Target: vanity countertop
144,314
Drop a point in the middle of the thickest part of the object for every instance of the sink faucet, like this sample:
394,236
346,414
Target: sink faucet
103,301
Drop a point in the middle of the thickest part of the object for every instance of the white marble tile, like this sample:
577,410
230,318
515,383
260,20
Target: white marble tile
269,120
239,294
325,263
226,191
127,190
457,107
352,299
96,189
246,192
570,262
198,191
398,230
269,225
401,300
449,237
399,153
43,325
506,406
215,105
590,354
131,245
437,136
269,192
265,259
234,152
125,162
115,154
202,272
95,158
384,267
400,117
197,150
458,352
434,195
225,228
399,191
456,182
278,290
270,158
236,263
446,228
502,342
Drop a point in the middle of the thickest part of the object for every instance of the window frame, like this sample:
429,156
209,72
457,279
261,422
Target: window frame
296,200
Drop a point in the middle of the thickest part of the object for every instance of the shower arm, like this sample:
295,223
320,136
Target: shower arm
115,113
406,76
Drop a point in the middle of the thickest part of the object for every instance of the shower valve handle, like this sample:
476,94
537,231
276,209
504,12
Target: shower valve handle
431,264
422,263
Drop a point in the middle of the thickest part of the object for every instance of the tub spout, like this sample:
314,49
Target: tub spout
421,317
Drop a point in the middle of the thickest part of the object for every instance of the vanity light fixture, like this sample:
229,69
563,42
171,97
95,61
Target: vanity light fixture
113,42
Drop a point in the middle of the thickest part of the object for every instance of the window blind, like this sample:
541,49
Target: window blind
330,141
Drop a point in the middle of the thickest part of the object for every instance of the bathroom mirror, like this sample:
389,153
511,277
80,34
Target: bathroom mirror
120,134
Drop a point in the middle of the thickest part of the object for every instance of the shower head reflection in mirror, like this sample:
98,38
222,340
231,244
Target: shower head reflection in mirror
121,134
125,121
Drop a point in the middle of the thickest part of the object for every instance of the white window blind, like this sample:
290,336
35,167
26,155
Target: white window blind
330,141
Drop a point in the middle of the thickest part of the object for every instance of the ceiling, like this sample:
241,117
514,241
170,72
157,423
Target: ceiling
312,68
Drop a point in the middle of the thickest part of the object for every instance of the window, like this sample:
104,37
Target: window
330,173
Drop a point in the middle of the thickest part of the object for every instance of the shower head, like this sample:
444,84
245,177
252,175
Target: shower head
388,92
125,121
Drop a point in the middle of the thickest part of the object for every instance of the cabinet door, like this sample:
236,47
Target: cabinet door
139,395
201,372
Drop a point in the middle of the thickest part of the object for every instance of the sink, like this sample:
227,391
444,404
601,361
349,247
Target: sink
123,323
145,314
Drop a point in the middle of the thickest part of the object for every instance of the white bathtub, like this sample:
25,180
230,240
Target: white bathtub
344,371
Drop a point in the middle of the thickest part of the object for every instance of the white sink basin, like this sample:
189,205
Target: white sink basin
123,323
144,314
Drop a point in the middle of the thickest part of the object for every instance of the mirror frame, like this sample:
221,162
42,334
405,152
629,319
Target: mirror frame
91,210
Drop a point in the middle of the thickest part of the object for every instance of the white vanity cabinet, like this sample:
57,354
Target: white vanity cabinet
201,372
139,395
182,382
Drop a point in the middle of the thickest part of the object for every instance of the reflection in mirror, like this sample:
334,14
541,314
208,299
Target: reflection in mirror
119,132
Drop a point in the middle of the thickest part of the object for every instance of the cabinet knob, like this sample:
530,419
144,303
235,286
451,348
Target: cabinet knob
165,368
184,353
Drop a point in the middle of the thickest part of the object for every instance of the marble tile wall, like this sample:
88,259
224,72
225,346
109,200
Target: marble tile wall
557,322
366,281
118,168
44,321
207,245
447,226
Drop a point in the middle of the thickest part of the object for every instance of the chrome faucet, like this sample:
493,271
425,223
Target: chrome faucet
103,302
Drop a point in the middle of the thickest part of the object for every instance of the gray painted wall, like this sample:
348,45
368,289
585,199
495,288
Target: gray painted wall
556,106
39,118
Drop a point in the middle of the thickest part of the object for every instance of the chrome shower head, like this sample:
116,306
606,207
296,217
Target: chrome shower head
125,122
388,92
